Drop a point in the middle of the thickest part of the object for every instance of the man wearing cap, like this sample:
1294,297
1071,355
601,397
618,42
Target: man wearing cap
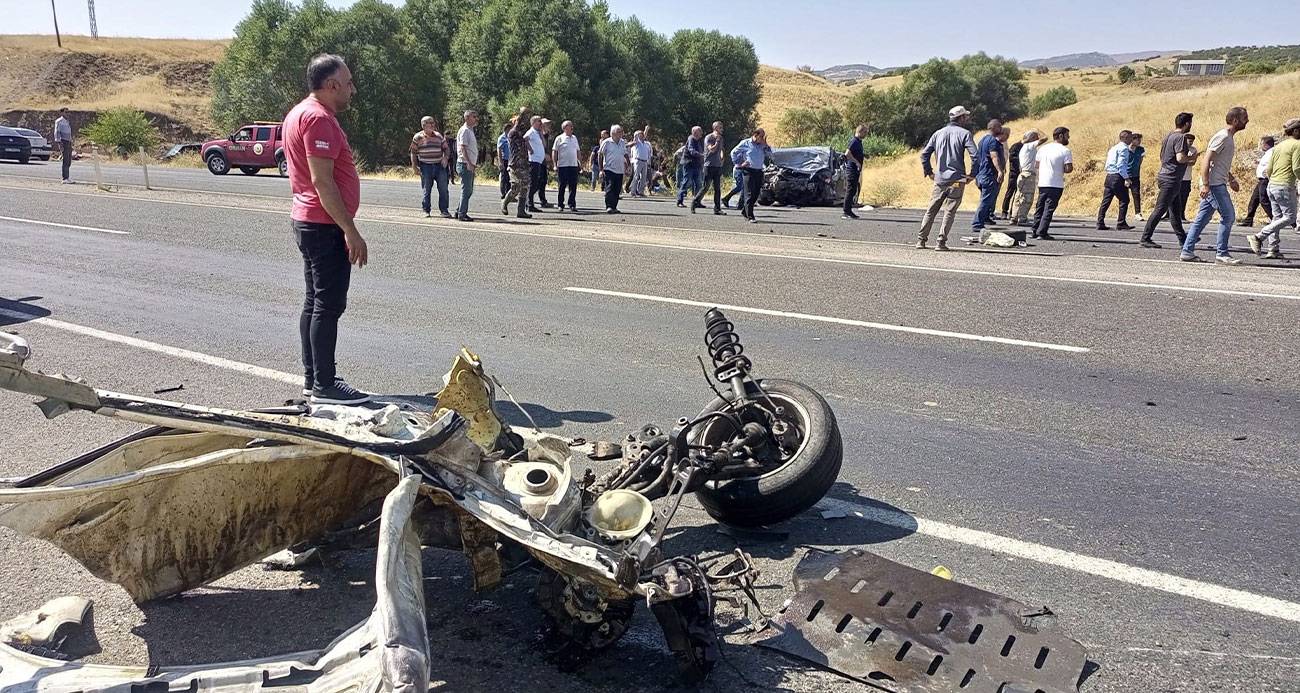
1283,166
949,145
1027,180
63,138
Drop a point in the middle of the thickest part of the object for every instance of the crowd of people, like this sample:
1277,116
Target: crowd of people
1037,170
619,163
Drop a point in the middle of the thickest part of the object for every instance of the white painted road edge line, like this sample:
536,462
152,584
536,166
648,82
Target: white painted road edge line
481,227
155,347
1141,577
1101,567
838,321
65,226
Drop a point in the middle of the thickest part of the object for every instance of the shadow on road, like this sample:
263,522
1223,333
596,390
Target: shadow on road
546,417
25,306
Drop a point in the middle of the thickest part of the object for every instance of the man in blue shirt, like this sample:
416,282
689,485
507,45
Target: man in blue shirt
991,165
692,163
949,145
503,158
1119,163
750,156
853,160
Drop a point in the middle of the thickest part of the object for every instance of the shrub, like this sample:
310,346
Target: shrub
1052,99
882,147
1042,69
1254,68
810,126
1126,74
884,193
125,129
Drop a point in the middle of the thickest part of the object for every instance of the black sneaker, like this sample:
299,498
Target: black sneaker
1102,227
719,212
306,385
679,204
465,217
524,215
339,393
849,216
446,215
1123,227
547,205
1149,244
1045,237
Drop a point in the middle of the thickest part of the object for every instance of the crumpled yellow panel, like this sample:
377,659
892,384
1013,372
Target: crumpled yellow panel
467,393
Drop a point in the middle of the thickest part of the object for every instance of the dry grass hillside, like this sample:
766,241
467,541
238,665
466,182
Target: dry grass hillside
785,89
1146,107
167,78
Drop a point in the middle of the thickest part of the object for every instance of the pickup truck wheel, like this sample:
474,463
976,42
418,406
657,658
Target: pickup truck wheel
217,164
249,170
795,482
283,165
24,159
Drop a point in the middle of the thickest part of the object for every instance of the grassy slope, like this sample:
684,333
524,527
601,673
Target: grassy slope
149,74
1094,123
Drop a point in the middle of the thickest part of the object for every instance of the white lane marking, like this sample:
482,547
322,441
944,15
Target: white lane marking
156,347
1101,567
838,321
1141,577
64,226
481,227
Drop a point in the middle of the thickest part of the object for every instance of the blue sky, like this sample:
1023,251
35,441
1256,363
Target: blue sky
820,34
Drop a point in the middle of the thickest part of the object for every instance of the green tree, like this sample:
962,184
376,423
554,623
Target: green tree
646,75
1251,67
125,129
997,85
921,103
718,79
261,73
555,90
802,127
1126,74
1052,99
1042,69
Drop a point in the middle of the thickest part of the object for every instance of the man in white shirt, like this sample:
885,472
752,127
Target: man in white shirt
639,153
1027,180
565,153
1052,162
613,164
1259,196
537,165
466,163
63,140
1216,180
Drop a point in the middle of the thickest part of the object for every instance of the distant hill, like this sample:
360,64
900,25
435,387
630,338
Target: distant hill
1086,60
859,71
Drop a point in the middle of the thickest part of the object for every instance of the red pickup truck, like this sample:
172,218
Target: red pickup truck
250,149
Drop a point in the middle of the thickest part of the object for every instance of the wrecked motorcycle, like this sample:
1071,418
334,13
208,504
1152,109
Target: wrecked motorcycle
202,492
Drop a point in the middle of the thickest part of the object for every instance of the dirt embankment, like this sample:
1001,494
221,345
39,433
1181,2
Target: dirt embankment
167,80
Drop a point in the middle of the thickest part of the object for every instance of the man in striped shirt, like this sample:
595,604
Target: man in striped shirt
429,154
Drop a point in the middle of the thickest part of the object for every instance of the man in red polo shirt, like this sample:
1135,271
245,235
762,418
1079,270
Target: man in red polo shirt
326,194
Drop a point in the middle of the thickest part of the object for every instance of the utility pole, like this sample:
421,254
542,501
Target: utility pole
94,29
58,39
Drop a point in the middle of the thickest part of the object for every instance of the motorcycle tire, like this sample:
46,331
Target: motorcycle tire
795,486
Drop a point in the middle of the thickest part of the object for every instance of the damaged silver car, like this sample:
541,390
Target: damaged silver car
202,492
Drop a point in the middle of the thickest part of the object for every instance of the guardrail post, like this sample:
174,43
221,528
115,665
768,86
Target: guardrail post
94,158
144,165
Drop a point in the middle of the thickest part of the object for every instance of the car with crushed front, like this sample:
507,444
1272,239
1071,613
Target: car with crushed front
249,149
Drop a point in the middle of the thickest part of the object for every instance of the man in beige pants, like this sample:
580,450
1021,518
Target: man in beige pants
1027,181
949,145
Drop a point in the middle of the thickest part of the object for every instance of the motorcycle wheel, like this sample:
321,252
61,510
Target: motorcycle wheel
799,481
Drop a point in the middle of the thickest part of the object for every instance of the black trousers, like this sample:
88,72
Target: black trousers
613,188
753,184
66,147
1169,202
327,274
1045,209
536,182
1012,176
853,176
505,181
712,176
1259,198
567,177
1115,189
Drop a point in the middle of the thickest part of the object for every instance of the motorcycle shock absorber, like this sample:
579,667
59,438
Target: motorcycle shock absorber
730,365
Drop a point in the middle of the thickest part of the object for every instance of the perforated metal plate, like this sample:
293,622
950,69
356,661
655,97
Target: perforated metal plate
905,630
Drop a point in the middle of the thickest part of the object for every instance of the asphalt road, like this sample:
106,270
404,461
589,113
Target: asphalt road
1086,425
